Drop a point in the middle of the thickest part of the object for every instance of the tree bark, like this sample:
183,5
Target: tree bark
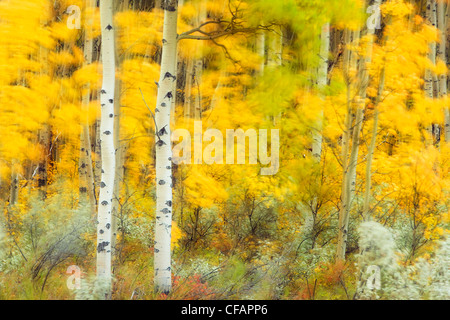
107,146
322,81
163,225
367,191
349,179
188,89
349,68
442,19
430,80
86,171
261,50
14,191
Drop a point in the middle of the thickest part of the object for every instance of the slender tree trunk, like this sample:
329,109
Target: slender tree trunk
14,191
349,68
118,175
261,50
442,18
349,179
198,98
44,141
430,83
367,191
274,54
322,81
163,225
107,145
188,88
119,147
85,164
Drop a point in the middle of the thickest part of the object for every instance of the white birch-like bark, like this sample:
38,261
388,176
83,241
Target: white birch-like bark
261,50
349,68
322,81
107,146
367,191
429,76
274,54
85,163
442,17
163,223
349,179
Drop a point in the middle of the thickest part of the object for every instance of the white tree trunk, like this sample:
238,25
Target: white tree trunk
367,191
107,146
85,163
261,50
349,179
163,223
322,81
442,17
349,67
429,76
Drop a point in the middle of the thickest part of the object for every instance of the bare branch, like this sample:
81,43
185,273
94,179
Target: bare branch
215,35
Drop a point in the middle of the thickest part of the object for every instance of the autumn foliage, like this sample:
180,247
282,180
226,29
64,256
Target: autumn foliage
236,234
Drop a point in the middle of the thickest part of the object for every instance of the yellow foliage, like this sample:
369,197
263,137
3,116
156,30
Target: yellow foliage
203,190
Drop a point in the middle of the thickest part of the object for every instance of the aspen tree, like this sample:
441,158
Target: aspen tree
120,148
14,191
368,186
188,88
85,164
261,50
349,67
165,95
322,81
442,21
349,179
275,56
44,133
429,76
107,146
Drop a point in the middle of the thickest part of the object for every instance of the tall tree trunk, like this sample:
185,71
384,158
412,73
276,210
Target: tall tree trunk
107,146
274,54
44,141
87,184
261,50
349,179
163,225
349,68
188,88
367,191
442,17
119,147
322,81
118,175
430,83
14,191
